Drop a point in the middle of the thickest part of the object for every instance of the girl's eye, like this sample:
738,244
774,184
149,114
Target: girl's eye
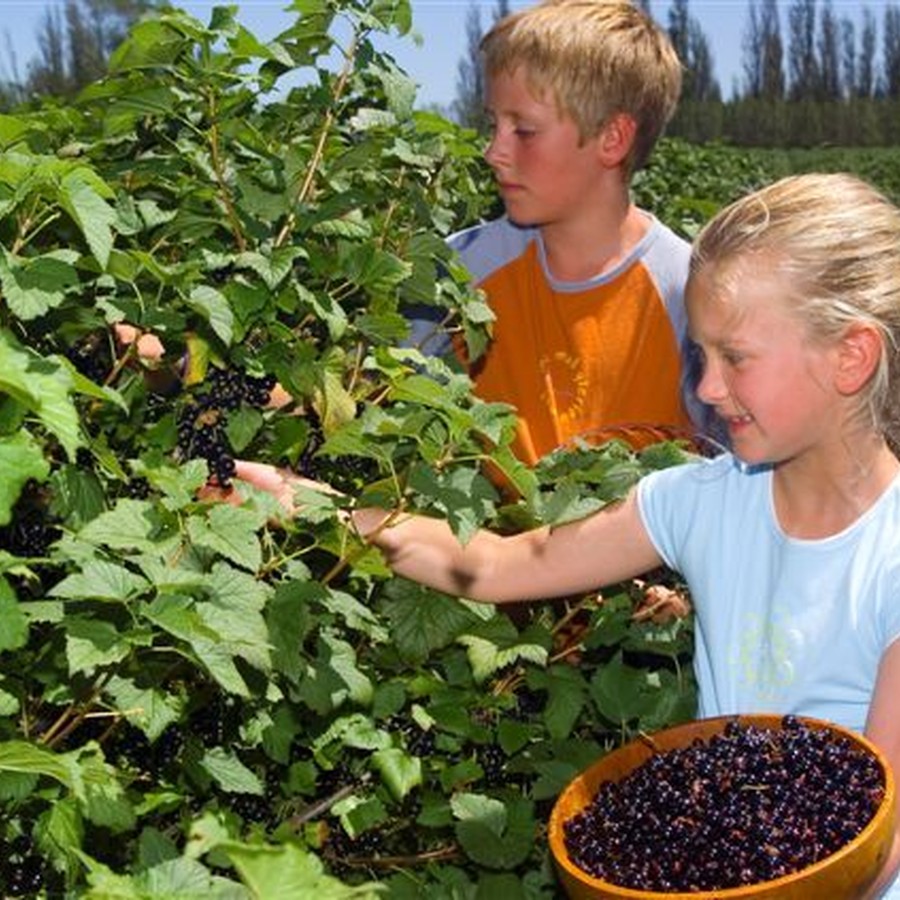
732,357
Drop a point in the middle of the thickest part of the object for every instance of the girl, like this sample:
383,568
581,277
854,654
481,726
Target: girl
790,543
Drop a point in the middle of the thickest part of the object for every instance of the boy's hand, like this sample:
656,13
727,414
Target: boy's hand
150,351
148,346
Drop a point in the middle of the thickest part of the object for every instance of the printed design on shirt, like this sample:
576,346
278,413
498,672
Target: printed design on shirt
565,386
763,660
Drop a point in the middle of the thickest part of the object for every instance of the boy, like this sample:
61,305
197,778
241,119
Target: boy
586,288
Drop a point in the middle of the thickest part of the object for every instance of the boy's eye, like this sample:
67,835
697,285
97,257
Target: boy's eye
522,131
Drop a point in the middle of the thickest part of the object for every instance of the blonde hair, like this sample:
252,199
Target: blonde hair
596,58
837,239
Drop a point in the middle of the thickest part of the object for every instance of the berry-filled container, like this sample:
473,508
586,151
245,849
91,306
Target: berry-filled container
731,808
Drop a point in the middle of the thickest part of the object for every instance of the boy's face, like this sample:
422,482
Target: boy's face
545,172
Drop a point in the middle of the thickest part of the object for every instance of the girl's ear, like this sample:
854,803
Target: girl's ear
616,138
859,352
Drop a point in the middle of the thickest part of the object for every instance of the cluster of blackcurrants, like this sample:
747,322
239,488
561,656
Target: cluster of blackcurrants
31,530
22,870
203,417
348,476
750,805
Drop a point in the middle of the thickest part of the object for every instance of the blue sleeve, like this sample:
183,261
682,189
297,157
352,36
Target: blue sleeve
425,333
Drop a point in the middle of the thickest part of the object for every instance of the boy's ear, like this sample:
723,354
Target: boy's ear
859,352
616,139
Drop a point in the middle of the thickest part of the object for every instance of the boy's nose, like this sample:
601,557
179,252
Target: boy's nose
494,152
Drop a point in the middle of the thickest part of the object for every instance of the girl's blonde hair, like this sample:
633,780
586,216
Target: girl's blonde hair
837,240
596,58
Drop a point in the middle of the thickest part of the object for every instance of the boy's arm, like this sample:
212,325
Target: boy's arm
602,549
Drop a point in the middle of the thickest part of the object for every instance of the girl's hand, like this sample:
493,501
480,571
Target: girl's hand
280,483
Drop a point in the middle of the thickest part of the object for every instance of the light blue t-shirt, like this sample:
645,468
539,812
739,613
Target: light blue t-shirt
783,625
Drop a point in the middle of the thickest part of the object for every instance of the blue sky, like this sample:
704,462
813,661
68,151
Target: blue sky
441,24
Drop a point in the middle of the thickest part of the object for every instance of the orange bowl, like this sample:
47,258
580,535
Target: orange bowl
844,875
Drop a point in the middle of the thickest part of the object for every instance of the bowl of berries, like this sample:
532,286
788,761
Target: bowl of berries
741,807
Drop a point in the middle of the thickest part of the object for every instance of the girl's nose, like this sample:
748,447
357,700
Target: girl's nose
711,387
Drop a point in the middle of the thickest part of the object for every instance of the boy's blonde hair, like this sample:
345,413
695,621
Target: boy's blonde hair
836,240
596,58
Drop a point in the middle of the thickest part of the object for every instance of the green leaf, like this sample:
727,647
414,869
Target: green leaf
289,618
478,807
399,771
626,694
78,496
61,830
233,612
272,269
230,773
100,581
465,496
218,658
356,615
493,885
147,708
16,786
207,831
34,286
243,425
494,834
104,884
21,459
290,871
567,696
132,524
339,406
340,657
423,391
84,772
215,308
423,621
9,703
231,531
567,504
495,644
42,386
150,43
355,730
11,129
182,878
93,643
154,848
90,211
13,624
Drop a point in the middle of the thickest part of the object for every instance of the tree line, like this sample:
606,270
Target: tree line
809,76
825,78
74,43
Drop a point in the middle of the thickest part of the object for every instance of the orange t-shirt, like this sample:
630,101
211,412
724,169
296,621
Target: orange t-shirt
592,360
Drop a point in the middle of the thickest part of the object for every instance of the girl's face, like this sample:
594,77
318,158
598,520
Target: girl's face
544,171
771,384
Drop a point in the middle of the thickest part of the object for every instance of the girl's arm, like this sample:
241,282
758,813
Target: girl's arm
602,549
883,729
